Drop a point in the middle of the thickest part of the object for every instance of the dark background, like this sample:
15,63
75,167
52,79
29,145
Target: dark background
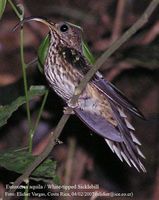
134,68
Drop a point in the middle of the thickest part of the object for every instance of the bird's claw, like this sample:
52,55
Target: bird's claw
71,104
67,111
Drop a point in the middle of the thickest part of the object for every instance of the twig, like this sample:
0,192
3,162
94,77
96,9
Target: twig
15,9
69,161
33,27
80,164
54,135
118,22
151,34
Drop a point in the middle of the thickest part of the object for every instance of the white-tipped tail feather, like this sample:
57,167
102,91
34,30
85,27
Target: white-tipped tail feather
127,150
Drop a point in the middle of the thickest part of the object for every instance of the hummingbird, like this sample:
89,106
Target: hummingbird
101,106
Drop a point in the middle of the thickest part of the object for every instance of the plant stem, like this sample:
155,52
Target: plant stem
24,76
15,9
69,161
41,109
20,16
32,130
26,190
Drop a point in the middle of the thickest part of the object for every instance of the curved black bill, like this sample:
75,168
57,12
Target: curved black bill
28,19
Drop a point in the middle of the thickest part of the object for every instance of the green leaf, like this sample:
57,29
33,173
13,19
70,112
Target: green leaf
18,161
87,53
42,52
7,110
2,7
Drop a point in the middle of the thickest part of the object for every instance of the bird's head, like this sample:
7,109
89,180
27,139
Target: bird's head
66,33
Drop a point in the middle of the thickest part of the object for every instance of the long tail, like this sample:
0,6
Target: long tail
127,150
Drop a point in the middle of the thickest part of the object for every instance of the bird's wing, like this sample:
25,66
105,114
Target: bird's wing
78,61
115,95
99,125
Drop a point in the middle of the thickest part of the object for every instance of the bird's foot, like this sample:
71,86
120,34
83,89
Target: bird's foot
70,106
68,111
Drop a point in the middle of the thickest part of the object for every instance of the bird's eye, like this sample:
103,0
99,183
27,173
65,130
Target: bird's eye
64,28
